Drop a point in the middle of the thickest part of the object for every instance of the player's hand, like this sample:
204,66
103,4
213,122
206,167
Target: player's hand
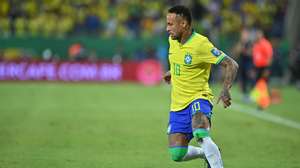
167,77
225,97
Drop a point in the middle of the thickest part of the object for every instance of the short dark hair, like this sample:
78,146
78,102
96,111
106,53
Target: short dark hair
182,11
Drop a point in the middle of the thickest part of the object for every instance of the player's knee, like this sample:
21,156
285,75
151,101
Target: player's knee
178,153
200,133
200,120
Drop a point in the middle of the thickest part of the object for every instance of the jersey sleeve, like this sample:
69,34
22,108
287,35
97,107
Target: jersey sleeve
210,54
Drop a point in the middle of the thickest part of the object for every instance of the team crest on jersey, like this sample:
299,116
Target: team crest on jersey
188,59
216,52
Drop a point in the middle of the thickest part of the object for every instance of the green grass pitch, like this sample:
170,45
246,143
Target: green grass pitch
64,125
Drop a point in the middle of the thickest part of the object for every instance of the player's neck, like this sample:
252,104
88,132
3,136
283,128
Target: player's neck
186,35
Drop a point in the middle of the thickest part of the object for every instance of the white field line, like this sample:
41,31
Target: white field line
264,115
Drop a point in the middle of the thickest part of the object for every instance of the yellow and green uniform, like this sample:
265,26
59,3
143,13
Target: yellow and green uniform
190,65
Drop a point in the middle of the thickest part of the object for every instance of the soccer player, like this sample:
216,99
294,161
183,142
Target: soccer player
190,57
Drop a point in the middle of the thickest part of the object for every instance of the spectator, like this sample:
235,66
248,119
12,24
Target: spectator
243,53
92,24
262,54
77,51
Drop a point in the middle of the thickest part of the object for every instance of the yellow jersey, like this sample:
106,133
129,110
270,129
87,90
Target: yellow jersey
190,65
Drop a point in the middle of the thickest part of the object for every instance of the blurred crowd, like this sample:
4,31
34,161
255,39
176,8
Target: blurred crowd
66,17
135,17
236,21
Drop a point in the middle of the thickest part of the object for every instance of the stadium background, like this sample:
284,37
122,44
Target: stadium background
117,121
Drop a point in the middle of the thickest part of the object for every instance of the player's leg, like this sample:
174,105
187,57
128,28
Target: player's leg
180,133
181,151
201,126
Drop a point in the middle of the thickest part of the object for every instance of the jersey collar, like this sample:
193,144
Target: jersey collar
191,36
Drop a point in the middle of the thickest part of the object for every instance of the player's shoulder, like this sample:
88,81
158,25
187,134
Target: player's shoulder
199,38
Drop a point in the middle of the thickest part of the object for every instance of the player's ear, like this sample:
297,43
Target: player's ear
185,23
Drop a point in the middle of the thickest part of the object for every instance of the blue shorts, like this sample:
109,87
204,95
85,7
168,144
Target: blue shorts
181,121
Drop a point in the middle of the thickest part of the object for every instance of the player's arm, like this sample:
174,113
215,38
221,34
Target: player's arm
230,68
167,77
